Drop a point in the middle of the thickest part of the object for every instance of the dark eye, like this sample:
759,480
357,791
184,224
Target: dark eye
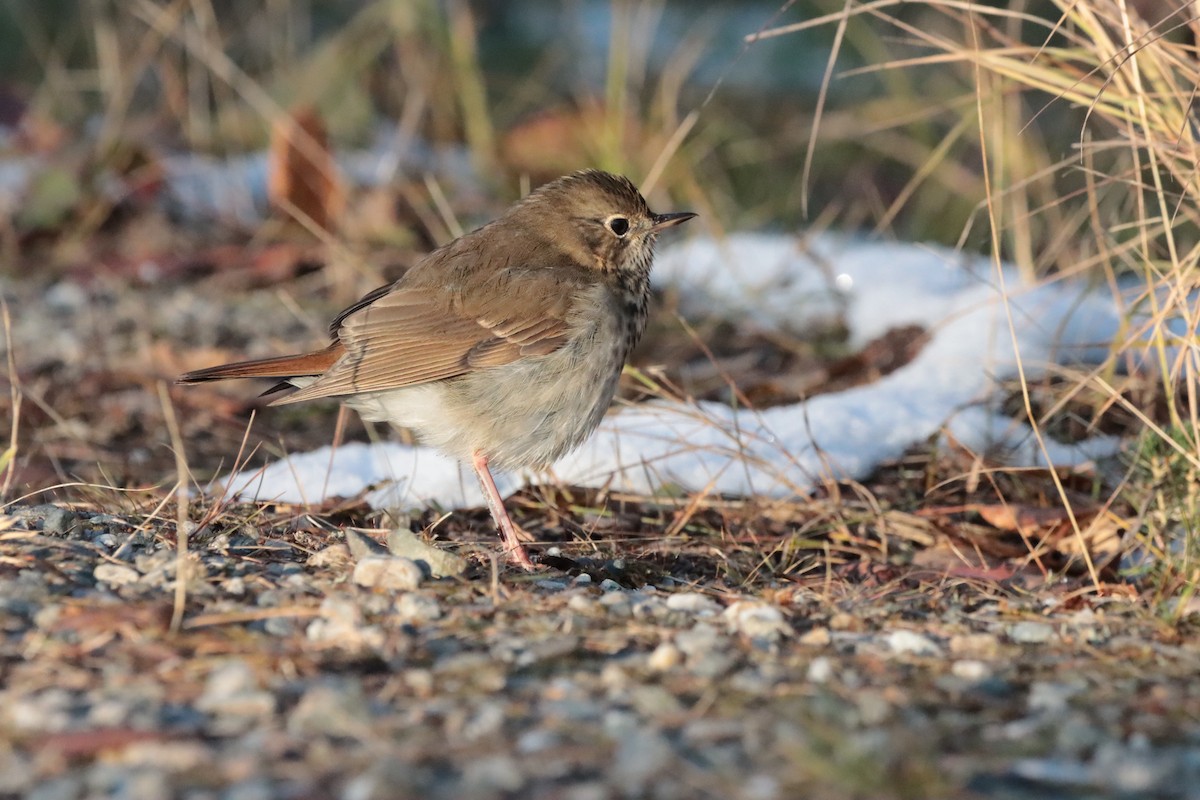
618,225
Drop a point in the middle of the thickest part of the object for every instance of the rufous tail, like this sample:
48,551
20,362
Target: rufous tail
295,366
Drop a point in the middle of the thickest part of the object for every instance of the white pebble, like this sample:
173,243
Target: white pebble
1031,633
757,620
820,670
413,607
694,603
665,658
906,641
970,669
115,574
390,573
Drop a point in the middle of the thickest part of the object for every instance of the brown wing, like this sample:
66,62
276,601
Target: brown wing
412,335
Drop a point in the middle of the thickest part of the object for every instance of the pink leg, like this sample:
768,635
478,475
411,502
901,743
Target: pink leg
496,505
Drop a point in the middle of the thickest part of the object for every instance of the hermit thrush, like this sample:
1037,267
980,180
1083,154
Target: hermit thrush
502,348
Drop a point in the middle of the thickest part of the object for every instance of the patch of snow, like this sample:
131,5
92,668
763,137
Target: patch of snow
782,282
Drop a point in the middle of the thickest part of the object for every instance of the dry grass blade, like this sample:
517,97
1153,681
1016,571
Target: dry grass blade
182,521
8,461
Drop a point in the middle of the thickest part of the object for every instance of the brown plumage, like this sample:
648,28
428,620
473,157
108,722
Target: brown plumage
503,347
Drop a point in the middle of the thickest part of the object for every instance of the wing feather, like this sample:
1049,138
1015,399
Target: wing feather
409,335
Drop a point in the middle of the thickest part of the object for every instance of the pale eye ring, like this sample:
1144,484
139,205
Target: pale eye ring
618,224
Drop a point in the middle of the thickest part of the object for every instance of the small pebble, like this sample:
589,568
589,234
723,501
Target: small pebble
975,645
1031,632
333,708
755,681
841,621
609,585
906,641
491,774
1052,772
59,521
1053,697
665,658
66,296
620,723
336,556
970,669
645,605
420,681
581,603
756,621
1076,735
617,603
820,670
537,740
873,707
341,624
341,610
279,626
700,605
105,539
761,787
113,519
389,573
438,563
706,650
232,690
487,720
711,665
116,574
47,615
413,607
654,702
699,639
361,546
641,755
817,637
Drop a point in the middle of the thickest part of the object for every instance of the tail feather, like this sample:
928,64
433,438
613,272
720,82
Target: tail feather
294,366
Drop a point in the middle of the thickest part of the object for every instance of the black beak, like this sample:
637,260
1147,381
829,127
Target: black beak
663,221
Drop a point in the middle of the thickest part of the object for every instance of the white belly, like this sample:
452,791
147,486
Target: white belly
524,414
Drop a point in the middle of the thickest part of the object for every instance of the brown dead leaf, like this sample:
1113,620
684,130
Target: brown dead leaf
304,182
559,140
953,559
122,617
1051,532
880,356
1022,518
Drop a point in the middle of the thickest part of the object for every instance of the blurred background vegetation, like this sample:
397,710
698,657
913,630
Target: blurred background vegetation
536,88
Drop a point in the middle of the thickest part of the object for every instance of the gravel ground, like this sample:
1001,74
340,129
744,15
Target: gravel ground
312,665
839,646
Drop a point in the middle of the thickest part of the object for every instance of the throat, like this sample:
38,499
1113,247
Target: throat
636,315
